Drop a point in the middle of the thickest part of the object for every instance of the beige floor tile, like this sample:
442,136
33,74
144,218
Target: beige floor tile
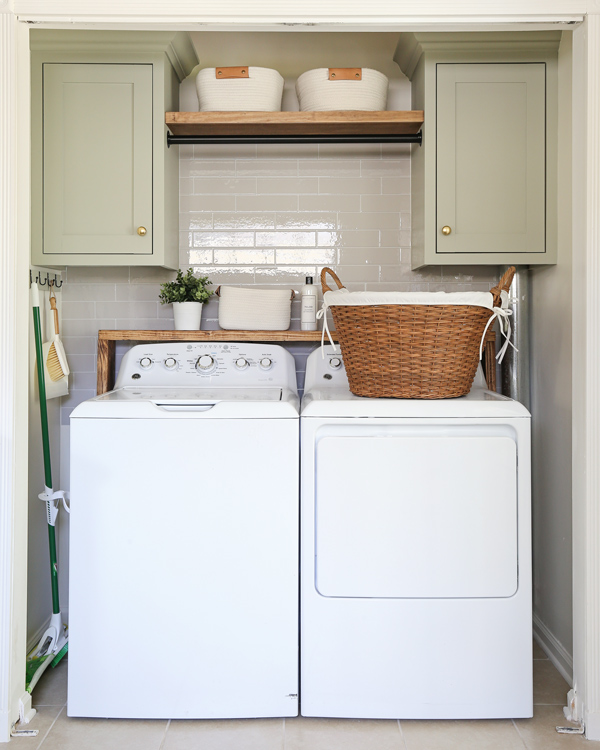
104,734
538,651
540,732
342,734
42,721
549,687
461,735
51,690
214,734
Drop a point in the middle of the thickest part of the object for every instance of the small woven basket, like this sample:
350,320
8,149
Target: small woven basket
411,351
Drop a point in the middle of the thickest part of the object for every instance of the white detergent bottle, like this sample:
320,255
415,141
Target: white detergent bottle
308,309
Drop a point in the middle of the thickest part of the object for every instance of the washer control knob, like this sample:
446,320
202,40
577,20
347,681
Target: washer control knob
241,363
205,362
266,363
145,362
335,363
170,363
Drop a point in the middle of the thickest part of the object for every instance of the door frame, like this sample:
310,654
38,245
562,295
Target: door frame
17,16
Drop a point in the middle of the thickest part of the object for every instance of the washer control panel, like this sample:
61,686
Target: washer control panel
181,364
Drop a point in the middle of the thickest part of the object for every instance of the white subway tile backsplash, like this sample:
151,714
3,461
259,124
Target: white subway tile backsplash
321,256
243,257
190,221
348,238
245,203
78,310
84,292
95,275
199,256
223,239
79,344
385,168
330,167
286,239
329,203
267,168
350,185
306,220
245,221
127,309
286,185
377,221
224,185
395,185
384,203
198,203
131,292
206,168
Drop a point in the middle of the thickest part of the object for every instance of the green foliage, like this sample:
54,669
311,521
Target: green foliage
185,288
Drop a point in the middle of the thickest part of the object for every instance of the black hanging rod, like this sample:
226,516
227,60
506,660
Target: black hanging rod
176,140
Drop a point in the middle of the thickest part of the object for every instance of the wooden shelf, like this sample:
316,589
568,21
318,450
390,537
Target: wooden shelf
213,124
107,342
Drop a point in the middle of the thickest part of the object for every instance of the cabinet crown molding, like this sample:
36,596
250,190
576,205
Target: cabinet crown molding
176,45
412,45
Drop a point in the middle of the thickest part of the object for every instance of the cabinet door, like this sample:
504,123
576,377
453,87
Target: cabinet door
97,159
491,158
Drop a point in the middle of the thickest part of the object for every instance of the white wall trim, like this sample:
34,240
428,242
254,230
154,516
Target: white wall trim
554,649
7,363
590,576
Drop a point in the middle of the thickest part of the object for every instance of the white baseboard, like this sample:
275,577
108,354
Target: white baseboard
554,649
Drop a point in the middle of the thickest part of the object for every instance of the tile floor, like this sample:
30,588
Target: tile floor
58,732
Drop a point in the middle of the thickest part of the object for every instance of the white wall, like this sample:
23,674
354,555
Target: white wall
551,406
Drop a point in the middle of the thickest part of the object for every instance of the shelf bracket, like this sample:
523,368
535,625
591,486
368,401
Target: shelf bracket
176,140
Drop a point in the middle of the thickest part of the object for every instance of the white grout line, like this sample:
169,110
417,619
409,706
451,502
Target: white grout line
520,735
51,726
162,742
404,745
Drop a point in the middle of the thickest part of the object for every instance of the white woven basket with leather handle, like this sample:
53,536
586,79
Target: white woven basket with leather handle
243,309
331,89
240,89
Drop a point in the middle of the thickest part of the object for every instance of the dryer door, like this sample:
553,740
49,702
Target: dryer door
408,516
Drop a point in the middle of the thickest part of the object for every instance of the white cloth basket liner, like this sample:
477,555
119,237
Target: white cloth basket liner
260,92
344,297
316,93
254,309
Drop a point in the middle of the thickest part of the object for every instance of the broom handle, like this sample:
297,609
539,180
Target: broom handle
39,356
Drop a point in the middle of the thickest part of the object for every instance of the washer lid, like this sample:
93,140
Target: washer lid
340,402
215,403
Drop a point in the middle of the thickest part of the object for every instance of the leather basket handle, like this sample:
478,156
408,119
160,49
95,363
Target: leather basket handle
345,74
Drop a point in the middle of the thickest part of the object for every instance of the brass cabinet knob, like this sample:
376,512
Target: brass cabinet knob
141,231
446,230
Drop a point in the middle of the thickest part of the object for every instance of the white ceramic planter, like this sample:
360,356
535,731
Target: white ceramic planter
187,315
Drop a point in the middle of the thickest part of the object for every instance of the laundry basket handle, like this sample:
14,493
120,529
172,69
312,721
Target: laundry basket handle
503,285
333,275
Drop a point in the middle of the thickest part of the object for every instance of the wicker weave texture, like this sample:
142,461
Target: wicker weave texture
411,351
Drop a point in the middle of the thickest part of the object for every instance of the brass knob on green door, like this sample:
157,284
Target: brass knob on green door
446,230
141,231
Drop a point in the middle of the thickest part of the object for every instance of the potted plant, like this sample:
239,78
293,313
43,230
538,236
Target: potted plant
187,293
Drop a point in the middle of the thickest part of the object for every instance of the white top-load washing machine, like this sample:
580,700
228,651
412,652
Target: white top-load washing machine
415,553
184,536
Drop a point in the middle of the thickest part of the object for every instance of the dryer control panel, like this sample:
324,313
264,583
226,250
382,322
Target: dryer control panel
181,364
325,369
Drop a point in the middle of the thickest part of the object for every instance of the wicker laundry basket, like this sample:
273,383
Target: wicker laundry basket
423,351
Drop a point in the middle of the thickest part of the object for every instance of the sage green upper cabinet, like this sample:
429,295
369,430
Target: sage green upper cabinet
484,180
105,186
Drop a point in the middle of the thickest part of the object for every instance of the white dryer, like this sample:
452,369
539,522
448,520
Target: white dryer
184,536
415,553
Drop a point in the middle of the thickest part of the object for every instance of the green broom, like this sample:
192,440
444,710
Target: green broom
53,644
